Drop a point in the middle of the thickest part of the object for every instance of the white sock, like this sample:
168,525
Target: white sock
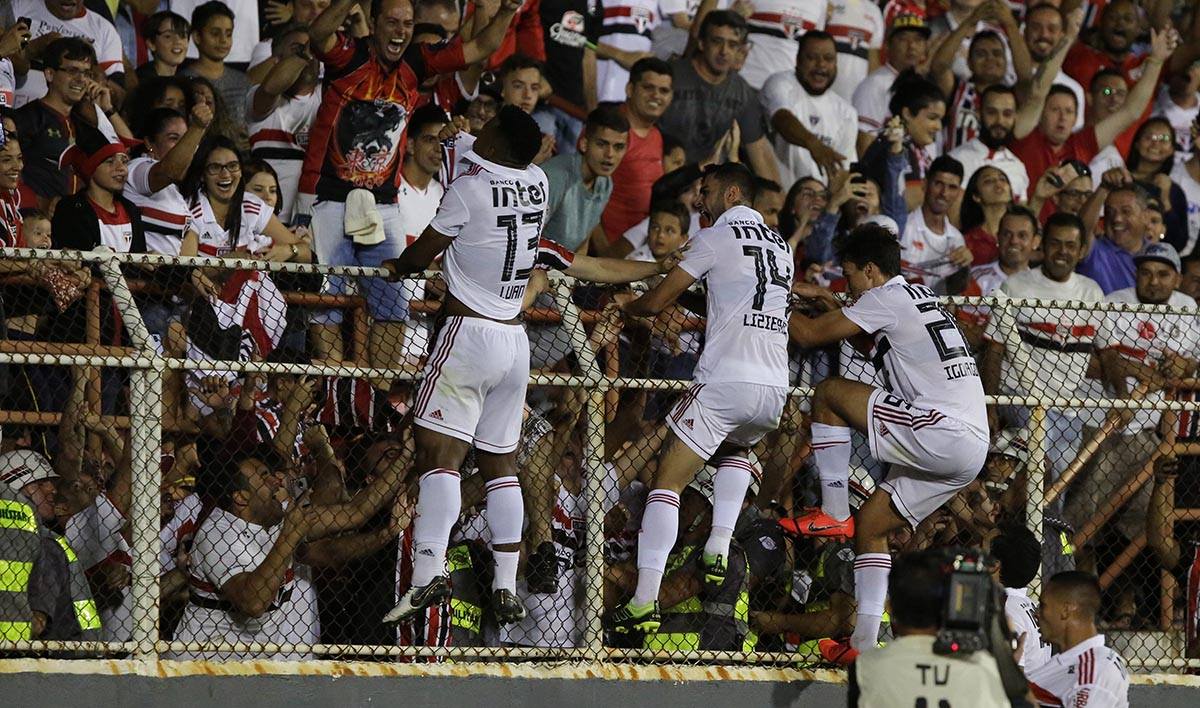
504,576
660,526
870,591
505,517
831,452
439,503
729,492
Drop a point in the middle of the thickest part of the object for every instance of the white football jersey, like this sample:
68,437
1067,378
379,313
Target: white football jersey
165,213
920,352
1146,338
495,215
748,268
775,25
216,241
1022,620
95,534
1088,675
281,139
90,26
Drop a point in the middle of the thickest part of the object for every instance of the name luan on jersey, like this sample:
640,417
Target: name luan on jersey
504,209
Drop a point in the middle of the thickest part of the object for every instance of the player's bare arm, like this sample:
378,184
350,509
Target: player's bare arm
661,296
827,328
323,32
488,40
615,270
417,257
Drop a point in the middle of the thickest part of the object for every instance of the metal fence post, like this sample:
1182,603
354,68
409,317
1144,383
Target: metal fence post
1035,497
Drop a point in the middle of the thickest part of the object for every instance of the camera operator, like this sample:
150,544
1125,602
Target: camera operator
1018,554
1084,672
907,671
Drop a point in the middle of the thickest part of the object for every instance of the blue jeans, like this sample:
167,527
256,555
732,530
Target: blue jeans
386,301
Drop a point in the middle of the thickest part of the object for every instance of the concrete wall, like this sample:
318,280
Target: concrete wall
109,690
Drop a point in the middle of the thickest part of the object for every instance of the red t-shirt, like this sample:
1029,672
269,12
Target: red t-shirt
1038,154
357,139
983,246
1083,62
639,170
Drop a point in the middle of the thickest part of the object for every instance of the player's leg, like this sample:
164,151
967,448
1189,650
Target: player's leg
445,413
439,503
877,519
497,435
730,483
677,466
839,405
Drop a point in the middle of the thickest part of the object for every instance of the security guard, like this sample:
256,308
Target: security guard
717,621
20,550
54,586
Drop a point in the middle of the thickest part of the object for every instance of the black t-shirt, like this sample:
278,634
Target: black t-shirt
564,60
701,113
44,134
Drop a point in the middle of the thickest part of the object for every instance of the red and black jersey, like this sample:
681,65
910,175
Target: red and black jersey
10,219
357,140
45,134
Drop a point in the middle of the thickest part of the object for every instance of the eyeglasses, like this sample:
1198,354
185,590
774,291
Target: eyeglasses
75,72
216,168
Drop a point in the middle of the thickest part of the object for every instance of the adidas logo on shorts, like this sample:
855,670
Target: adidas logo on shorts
883,429
436,415
689,422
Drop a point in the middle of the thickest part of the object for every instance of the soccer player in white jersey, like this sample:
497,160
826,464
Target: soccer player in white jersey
1018,555
929,421
489,225
740,381
1084,673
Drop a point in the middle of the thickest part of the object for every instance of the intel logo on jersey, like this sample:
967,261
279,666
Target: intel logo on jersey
510,193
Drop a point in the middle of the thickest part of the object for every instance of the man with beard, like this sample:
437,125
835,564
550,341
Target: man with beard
816,128
1119,28
648,95
1136,348
1045,25
930,246
998,115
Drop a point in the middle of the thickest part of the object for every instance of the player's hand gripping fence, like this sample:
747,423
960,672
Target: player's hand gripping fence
236,475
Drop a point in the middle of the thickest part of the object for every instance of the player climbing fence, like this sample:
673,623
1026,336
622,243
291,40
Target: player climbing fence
233,490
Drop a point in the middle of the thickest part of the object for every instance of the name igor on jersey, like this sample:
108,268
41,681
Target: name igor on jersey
749,272
920,352
495,215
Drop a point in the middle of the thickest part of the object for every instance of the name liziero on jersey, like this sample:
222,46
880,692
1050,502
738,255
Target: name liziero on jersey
766,266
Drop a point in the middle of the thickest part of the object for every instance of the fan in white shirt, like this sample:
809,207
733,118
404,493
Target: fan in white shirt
997,117
280,112
776,27
857,27
69,19
907,45
1085,673
931,249
152,185
816,128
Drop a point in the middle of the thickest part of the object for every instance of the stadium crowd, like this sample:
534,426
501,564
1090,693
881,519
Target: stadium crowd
1043,150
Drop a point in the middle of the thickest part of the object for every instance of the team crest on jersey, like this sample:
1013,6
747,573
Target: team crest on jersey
642,18
793,25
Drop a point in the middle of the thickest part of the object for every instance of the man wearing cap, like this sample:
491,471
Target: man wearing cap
43,591
907,45
1150,348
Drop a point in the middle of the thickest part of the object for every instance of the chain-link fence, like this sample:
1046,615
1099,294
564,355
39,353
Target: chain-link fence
233,471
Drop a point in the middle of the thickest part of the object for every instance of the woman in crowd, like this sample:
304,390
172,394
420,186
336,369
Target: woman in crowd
1186,174
1151,160
920,107
232,223
987,196
201,90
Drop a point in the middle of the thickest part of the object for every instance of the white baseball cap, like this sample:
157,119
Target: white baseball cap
22,467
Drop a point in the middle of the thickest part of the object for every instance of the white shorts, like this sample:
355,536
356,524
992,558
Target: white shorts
475,381
932,455
737,413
